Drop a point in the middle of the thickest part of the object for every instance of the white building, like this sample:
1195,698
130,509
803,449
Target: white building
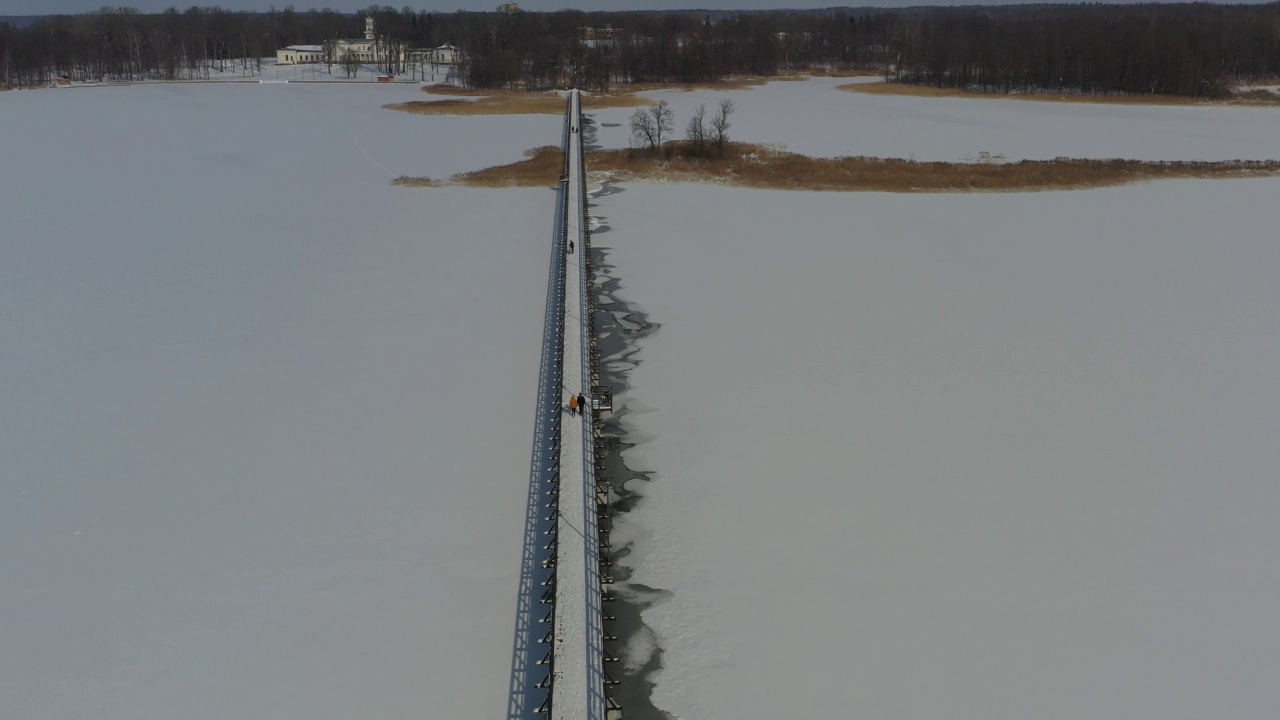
300,54
364,50
445,55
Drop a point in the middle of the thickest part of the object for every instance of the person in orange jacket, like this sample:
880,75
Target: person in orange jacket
573,404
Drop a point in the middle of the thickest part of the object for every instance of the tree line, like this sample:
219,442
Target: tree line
1189,49
1199,50
116,44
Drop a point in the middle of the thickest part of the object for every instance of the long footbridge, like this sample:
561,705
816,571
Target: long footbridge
566,564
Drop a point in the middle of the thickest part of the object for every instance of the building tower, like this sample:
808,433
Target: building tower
368,28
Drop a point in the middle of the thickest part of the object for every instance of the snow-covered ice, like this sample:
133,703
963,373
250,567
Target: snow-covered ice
814,118
265,418
981,457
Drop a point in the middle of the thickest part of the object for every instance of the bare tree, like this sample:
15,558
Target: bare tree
643,131
664,121
330,54
720,124
351,63
135,41
696,130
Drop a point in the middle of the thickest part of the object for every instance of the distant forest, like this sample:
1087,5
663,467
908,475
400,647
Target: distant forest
1196,50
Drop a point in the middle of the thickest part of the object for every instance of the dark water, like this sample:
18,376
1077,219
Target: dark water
622,327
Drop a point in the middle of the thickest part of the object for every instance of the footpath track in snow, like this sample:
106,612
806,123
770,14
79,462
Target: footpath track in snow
564,480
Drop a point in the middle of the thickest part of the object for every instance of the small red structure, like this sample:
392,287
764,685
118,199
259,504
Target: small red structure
64,80
386,78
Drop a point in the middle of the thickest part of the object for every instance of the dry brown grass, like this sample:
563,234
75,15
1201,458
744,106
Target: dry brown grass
408,181
763,167
746,82
889,88
506,102
1249,97
455,91
492,105
540,168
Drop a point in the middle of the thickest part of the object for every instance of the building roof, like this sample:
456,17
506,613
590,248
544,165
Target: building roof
306,48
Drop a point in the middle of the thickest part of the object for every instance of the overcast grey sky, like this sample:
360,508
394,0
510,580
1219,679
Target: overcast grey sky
49,7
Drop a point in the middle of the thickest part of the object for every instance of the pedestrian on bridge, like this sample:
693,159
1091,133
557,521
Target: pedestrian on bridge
573,405
582,404
570,247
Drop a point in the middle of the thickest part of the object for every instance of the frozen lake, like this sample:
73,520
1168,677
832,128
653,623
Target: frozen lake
814,118
964,456
265,418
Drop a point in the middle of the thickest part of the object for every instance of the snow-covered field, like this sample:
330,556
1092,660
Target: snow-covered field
814,118
268,70
264,418
981,457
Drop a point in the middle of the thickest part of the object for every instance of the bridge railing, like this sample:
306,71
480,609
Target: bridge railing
534,646
533,657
